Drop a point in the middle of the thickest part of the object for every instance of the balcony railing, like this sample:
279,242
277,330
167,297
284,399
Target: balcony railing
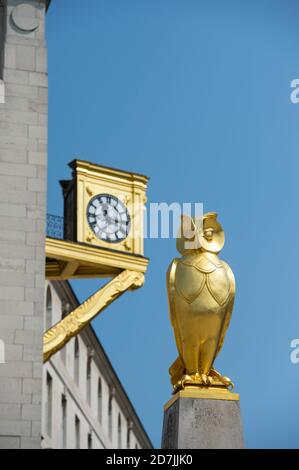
55,226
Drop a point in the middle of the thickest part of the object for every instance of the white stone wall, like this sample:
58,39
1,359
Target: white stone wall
62,370
23,156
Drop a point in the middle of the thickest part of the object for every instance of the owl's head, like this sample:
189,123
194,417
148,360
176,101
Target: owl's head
200,233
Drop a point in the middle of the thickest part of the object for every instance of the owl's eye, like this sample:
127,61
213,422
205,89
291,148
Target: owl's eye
208,233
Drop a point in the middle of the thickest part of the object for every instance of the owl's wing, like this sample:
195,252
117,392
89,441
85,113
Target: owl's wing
230,304
171,294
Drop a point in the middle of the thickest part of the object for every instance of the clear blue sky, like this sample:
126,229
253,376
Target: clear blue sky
194,94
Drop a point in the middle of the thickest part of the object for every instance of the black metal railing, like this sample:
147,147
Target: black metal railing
55,226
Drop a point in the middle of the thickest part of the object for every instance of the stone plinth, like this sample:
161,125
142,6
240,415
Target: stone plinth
202,419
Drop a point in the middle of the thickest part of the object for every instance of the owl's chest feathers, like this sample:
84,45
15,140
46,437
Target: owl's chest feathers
202,279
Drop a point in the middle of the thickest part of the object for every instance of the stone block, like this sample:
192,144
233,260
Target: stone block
42,119
9,278
36,429
18,225
34,295
16,369
37,158
24,337
10,322
17,197
19,117
38,79
31,412
25,91
11,385
37,399
41,173
15,130
12,210
194,422
11,142
36,184
31,443
26,58
12,182
33,352
31,386
9,443
18,77
10,411
10,56
39,281
42,147
11,293
34,323
41,200
12,238
37,370
13,169
13,352
11,307
16,252
14,397
38,132
15,428
7,335
35,238
16,103
41,60
35,266
11,265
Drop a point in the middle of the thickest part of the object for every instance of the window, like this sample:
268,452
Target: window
89,441
77,432
49,404
77,358
129,437
49,309
110,415
119,432
64,421
88,381
100,400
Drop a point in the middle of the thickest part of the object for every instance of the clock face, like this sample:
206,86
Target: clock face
108,218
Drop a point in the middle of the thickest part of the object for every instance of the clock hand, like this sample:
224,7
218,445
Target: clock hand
102,219
111,220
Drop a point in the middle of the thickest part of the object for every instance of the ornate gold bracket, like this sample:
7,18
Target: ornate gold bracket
61,333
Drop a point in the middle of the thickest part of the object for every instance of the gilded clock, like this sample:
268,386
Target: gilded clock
104,207
108,218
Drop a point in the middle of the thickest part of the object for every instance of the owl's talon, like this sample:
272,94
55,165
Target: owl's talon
205,379
185,379
226,381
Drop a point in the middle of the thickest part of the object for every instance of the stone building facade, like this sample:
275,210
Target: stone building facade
23,158
84,403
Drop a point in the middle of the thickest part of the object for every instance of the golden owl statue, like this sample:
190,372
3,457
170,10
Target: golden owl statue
201,292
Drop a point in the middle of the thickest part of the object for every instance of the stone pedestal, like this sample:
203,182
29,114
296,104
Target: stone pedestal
202,419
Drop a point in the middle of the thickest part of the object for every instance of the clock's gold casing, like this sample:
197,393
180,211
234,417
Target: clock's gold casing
90,180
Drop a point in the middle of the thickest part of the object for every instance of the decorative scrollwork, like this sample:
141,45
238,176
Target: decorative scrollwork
61,333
